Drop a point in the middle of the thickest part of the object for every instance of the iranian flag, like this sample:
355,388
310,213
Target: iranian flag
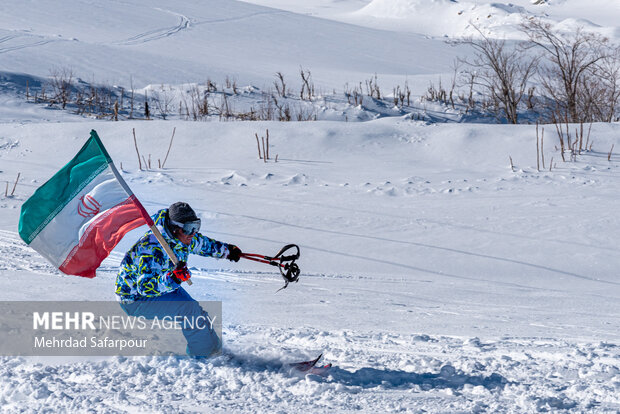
76,218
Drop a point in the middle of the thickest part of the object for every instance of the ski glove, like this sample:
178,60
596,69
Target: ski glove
181,273
234,253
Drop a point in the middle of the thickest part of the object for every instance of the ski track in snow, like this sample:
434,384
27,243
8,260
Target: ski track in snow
429,246
156,34
6,44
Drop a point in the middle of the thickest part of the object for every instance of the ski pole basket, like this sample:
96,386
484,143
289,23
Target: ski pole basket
284,260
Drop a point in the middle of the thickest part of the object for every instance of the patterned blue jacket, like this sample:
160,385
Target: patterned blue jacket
146,269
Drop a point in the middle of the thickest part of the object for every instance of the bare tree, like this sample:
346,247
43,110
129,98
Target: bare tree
600,91
503,71
569,59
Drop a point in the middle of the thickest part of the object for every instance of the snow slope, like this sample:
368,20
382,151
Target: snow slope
198,40
431,271
435,277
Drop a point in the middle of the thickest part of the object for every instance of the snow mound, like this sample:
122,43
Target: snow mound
401,9
446,17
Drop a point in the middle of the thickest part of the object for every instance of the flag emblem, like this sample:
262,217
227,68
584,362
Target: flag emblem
88,207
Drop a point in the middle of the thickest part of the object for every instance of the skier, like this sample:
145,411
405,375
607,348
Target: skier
149,285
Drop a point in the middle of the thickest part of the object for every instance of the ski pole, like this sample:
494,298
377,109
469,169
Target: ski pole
285,263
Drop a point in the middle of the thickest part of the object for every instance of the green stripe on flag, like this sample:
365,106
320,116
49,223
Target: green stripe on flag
49,199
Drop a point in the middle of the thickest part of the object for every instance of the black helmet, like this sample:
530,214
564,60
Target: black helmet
181,215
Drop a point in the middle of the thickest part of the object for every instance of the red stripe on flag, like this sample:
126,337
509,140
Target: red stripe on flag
145,214
102,236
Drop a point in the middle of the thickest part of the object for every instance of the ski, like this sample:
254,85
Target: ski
310,366
305,365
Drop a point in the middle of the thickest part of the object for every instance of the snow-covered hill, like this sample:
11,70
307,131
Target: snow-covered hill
435,276
452,18
146,42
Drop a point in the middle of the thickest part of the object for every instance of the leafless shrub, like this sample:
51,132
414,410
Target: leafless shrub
62,85
264,154
435,94
232,84
471,82
284,110
355,96
307,86
304,114
224,110
401,94
280,85
569,143
372,88
163,99
266,110
198,107
502,71
115,116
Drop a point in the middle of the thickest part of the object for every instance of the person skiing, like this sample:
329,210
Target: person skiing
149,285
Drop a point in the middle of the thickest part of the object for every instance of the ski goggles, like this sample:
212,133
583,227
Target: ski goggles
188,228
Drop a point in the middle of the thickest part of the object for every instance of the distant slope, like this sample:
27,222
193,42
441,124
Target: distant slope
156,42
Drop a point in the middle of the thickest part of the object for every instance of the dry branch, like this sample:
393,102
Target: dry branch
137,151
15,185
169,146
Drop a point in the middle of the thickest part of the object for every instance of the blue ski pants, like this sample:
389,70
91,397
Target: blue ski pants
202,341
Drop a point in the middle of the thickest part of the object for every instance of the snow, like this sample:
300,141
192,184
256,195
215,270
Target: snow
435,277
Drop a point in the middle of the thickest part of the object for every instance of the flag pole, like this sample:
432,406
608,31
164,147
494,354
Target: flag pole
149,220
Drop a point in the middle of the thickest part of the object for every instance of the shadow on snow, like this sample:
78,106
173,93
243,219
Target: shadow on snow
448,377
